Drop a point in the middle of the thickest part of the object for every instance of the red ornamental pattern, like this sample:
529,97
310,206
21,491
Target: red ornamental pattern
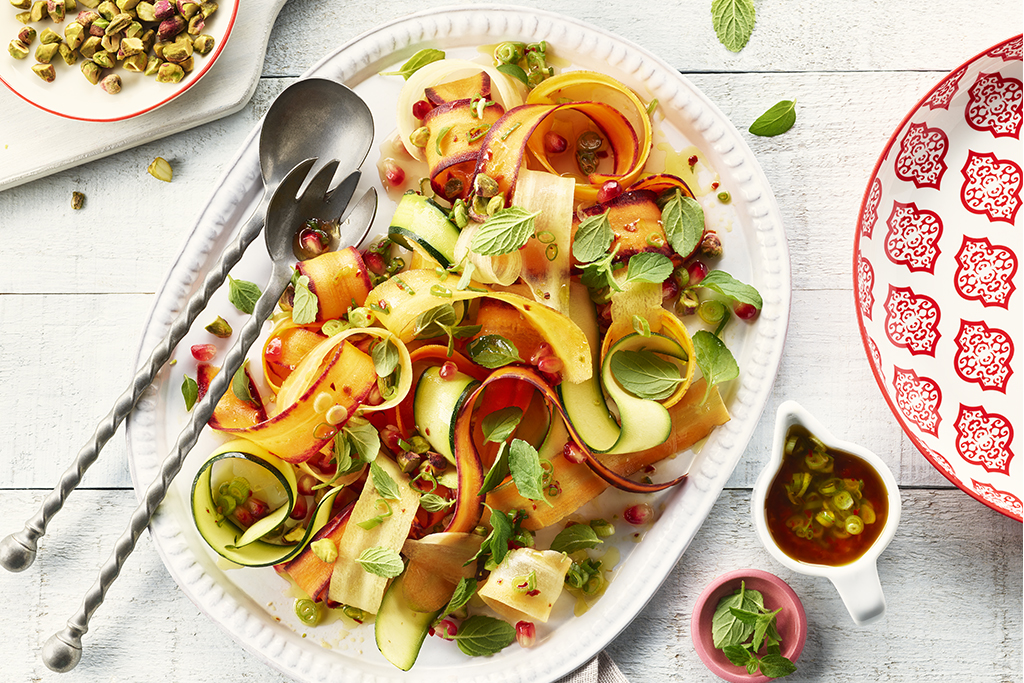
870,215
921,158
912,321
991,186
940,461
985,272
1007,52
1000,499
873,350
913,237
918,399
995,105
865,285
943,95
983,355
984,439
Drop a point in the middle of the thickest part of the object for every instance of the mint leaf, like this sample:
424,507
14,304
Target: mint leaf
243,295
776,666
725,284
776,120
737,654
500,424
515,71
433,321
464,590
240,384
714,360
431,502
644,374
493,351
683,220
304,303
416,62
649,266
524,464
726,629
498,471
383,482
190,392
482,635
601,273
385,357
504,232
733,21
501,532
575,537
593,237
381,561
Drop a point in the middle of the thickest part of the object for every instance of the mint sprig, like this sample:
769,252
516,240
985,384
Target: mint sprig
504,232
593,237
714,359
741,626
683,221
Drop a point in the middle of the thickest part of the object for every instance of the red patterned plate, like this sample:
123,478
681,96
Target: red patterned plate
936,271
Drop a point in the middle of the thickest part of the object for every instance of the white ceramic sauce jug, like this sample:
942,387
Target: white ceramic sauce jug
857,582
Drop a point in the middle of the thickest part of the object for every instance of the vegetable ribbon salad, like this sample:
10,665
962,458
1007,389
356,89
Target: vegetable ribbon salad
429,415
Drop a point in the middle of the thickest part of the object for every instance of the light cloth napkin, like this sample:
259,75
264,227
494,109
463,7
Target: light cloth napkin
600,669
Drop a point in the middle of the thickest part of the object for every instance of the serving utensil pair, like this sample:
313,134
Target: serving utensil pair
310,120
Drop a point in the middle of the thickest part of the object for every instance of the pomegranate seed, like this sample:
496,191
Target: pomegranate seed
542,352
638,515
204,352
669,289
555,143
395,175
375,262
306,484
714,185
692,160
526,634
243,517
311,243
697,271
745,311
257,507
300,508
391,436
573,453
421,108
609,191
448,370
550,364
446,629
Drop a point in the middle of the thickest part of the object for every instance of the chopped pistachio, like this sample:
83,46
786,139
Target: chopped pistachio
89,47
21,4
125,5
99,26
104,59
178,52
56,9
196,25
169,28
203,44
18,49
152,66
111,43
188,9
208,8
160,168
49,36
46,52
85,18
118,23
163,9
420,137
70,5
24,17
45,72
27,35
77,200
158,47
325,550
131,46
67,54
145,11
219,328
111,83
38,11
91,71
74,35
107,10
135,63
92,4
134,30
148,39
187,65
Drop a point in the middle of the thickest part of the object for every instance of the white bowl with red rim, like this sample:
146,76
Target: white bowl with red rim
935,266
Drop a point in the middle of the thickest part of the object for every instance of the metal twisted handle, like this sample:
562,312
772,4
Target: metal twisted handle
63,650
18,550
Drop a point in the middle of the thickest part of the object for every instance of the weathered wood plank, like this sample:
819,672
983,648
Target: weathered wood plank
953,614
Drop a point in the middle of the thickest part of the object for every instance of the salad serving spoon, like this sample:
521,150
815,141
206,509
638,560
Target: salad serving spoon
312,118
285,215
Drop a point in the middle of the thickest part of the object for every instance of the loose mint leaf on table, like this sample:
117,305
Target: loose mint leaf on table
381,561
593,237
644,374
723,283
683,220
776,120
733,21
243,294
416,62
482,635
575,537
714,360
504,232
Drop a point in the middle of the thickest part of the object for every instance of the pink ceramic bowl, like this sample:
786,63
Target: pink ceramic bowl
791,621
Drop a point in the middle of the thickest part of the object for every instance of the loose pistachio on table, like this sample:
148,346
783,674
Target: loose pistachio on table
156,39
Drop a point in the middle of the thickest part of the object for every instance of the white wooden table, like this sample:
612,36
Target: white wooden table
75,287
